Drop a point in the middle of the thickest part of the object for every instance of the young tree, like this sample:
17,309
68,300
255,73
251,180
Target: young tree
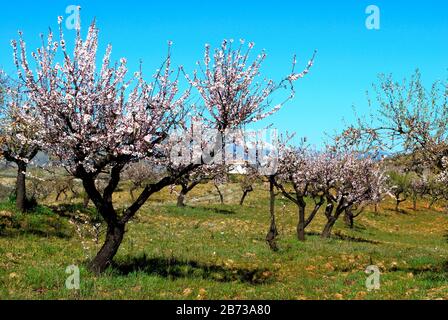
190,180
272,232
418,188
399,187
347,180
407,117
298,169
248,180
139,174
234,95
437,189
87,119
16,138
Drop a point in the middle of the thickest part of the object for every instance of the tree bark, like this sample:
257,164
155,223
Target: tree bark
21,187
397,204
272,233
245,193
20,192
301,224
349,218
104,205
331,219
326,233
221,196
103,259
181,197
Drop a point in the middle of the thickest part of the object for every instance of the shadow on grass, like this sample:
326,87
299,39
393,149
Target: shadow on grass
173,268
41,222
446,236
340,236
42,227
213,210
69,210
400,211
218,210
345,237
433,273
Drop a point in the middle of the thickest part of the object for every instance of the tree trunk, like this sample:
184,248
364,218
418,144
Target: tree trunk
86,201
21,187
103,259
181,197
414,204
326,233
348,218
272,233
431,203
301,224
245,192
221,196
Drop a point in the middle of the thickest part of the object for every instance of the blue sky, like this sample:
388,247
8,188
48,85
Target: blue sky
413,34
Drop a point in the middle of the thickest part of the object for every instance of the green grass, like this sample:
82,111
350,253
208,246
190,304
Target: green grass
209,251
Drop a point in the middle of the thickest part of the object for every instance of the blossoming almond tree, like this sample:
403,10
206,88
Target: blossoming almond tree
248,180
347,180
193,178
298,168
94,121
139,174
16,138
407,117
232,91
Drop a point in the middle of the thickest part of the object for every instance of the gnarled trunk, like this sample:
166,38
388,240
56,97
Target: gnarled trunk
272,233
221,196
326,233
103,259
21,187
331,218
181,197
245,193
349,218
104,205
398,202
301,224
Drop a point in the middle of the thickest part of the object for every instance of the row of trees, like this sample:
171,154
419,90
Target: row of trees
103,122
405,186
410,119
341,180
96,121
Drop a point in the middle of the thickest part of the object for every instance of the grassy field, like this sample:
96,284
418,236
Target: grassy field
209,251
